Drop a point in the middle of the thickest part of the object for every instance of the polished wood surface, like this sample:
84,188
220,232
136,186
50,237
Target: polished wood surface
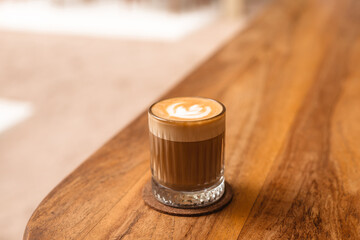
291,85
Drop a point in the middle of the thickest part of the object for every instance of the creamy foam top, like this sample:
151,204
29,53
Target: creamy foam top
187,119
187,108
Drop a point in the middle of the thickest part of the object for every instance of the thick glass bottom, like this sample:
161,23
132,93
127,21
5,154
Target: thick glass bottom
193,199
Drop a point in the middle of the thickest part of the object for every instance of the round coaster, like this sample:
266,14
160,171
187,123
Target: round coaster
151,201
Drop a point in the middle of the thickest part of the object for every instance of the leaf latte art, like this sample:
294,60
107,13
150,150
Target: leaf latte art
195,111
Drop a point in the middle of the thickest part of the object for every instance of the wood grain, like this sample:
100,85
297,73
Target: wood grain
291,85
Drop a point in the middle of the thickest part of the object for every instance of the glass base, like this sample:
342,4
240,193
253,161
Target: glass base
193,199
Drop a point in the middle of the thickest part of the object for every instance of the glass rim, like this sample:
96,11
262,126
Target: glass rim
184,121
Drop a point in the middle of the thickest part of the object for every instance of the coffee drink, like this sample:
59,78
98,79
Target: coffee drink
187,139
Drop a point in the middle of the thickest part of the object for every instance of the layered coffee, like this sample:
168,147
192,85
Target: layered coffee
187,139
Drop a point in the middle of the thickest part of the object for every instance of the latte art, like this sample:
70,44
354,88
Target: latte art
187,109
195,111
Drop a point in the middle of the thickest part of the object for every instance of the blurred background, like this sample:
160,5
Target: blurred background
74,72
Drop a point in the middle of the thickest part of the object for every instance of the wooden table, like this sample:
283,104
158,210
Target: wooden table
291,84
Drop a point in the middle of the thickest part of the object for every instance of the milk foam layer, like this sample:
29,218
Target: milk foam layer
187,119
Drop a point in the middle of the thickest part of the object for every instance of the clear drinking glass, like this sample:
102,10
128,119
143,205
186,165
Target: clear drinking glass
187,151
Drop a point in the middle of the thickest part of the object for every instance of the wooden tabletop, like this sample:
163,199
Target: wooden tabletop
291,85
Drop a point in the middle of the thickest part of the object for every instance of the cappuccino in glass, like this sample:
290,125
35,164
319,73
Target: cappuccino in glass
187,141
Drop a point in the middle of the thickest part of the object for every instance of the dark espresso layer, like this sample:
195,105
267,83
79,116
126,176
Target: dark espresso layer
187,166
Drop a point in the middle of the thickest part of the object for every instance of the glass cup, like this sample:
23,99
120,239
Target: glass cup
187,141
